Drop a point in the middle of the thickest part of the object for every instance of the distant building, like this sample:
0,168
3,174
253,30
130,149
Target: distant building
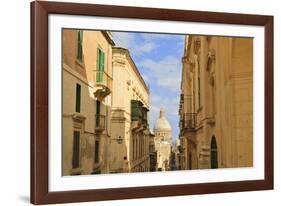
173,158
87,87
216,104
130,136
152,153
179,156
163,142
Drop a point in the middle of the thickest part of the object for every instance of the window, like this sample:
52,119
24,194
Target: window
190,161
100,65
76,150
141,147
97,113
199,95
78,98
80,46
97,151
214,153
134,150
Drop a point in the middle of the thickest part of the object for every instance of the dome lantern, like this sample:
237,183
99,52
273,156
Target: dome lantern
162,113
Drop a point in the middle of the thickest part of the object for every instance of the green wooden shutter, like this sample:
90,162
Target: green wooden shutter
78,98
99,66
102,64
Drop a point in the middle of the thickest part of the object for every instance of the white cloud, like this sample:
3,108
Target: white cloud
157,36
123,39
166,72
152,36
170,105
129,40
144,48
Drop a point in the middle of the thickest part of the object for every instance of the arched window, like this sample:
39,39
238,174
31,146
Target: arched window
190,161
214,153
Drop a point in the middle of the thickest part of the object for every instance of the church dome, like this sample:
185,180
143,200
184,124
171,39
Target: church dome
162,123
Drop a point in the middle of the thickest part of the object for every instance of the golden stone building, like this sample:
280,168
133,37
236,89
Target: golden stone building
130,132
163,142
216,106
87,87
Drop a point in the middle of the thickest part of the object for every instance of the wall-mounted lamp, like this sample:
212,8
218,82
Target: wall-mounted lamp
119,140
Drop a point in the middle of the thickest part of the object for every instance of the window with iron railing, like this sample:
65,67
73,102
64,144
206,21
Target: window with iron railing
189,121
100,119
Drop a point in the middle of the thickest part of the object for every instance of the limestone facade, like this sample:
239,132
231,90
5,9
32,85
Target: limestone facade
87,86
216,106
130,134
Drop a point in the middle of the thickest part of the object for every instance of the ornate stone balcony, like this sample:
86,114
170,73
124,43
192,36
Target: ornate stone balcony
102,84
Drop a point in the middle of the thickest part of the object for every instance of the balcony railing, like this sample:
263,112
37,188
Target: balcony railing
103,78
100,122
188,121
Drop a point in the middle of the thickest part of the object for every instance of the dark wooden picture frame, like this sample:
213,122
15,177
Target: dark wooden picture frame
39,102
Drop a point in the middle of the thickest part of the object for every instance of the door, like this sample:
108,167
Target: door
76,150
97,113
190,161
214,153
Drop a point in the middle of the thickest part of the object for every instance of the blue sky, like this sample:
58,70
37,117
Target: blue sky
158,58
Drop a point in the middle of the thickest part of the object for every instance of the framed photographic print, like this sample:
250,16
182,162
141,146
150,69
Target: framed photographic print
131,102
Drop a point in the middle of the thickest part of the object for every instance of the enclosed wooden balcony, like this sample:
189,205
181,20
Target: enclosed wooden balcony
138,115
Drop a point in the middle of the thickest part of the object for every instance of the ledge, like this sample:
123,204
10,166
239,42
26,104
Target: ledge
76,171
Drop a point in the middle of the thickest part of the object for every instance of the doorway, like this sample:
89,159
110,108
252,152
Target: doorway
214,153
